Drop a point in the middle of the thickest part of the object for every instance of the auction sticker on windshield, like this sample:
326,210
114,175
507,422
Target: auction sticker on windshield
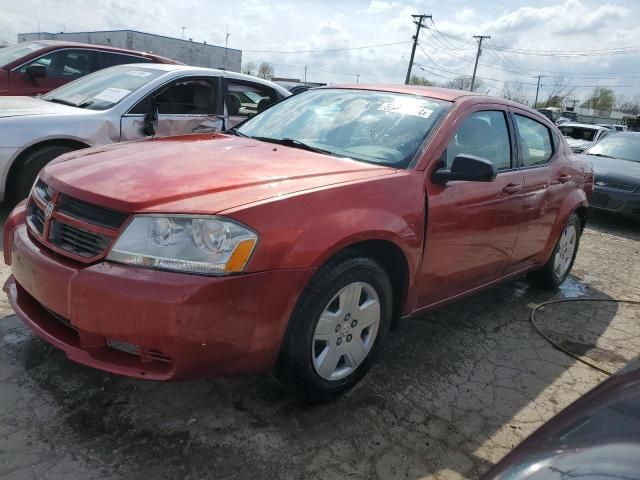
112,94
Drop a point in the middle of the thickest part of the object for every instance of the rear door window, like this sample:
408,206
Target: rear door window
110,59
535,141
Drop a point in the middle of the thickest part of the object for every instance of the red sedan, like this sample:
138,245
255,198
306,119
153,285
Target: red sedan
34,68
294,241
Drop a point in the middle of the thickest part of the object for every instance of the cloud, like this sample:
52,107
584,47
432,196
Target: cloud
380,6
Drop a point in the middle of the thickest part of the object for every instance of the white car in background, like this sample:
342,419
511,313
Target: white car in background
581,136
127,102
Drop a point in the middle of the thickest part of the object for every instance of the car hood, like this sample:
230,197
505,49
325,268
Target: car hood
615,170
197,173
21,106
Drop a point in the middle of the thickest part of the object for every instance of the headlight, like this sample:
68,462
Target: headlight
204,245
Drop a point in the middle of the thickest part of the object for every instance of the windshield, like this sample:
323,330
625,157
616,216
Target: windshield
105,88
376,127
11,54
625,147
579,133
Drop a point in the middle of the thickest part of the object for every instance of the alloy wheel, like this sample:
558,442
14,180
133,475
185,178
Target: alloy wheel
564,252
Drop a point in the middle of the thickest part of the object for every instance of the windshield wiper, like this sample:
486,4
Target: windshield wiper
234,131
292,142
600,155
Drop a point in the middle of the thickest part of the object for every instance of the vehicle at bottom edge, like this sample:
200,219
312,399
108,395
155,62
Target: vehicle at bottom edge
293,242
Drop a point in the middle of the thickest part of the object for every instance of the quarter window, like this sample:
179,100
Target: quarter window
535,140
483,134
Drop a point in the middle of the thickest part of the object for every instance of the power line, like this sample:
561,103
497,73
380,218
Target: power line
363,47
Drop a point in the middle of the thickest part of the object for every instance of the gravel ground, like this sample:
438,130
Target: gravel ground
454,392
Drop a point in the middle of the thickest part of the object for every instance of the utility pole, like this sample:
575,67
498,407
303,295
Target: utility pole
183,32
475,67
226,45
417,19
358,78
537,91
305,74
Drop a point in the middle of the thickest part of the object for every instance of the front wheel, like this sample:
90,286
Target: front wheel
336,329
30,168
557,269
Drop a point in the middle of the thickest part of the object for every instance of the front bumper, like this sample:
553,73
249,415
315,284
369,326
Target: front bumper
618,201
151,324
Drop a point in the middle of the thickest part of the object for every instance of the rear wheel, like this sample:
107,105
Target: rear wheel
336,330
31,166
557,269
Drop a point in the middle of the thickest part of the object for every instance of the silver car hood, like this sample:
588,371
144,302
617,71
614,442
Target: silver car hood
22,106
575,143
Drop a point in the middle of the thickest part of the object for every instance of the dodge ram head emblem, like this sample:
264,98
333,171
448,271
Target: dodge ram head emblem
48,211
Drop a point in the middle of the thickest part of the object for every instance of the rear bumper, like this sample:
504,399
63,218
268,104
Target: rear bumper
620,202
152,324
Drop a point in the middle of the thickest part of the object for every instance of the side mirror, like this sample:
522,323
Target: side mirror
150,121
36,71
467,167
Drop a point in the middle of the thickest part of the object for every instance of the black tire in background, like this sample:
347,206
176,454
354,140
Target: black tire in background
31,166
295,367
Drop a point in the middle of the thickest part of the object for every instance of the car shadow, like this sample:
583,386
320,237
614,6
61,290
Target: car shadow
453,391
613,224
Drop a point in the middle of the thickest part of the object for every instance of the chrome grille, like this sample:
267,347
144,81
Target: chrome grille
95,214
79,242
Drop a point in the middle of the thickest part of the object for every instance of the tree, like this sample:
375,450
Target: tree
416,80
514,91
627,105
265,70
602,98
249,68
464,83
558,92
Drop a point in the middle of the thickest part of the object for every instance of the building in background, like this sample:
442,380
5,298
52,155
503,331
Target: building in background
185,51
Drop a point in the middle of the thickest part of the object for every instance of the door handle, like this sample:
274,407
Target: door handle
564,178
203,129
512,188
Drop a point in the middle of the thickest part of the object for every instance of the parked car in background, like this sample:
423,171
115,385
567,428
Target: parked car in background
33,68
294,240
127,102
616,162
566,117
581,136
596,437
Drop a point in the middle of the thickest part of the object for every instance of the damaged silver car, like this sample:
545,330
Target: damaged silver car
127,102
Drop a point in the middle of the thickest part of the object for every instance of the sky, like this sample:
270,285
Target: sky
263,29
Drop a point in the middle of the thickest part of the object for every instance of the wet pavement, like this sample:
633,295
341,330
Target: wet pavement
454,391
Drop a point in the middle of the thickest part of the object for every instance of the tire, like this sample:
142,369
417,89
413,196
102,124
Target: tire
33,163
305,362
559,265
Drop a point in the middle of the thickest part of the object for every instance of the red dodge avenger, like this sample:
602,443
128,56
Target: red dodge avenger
294,241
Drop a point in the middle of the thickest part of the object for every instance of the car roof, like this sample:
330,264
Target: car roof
432,92
439,93
189,70
584,125
52,44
